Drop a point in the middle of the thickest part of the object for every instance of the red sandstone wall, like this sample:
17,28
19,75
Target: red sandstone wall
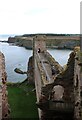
4,111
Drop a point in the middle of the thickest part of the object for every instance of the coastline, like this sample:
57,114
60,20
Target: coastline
54,42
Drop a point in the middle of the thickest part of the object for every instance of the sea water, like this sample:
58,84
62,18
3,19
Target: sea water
17,57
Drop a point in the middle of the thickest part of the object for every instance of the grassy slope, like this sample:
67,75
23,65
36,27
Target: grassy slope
22,103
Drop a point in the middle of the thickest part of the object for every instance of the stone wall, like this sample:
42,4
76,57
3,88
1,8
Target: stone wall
4,107
63,79
78,86
30,75
39,43
69,79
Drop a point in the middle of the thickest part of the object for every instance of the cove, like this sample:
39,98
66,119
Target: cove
17,57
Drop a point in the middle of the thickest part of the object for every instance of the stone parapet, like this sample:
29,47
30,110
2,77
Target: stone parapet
78,84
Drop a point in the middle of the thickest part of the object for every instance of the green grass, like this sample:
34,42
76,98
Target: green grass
22,103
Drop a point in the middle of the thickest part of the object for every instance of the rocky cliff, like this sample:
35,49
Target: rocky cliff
21,41
60,42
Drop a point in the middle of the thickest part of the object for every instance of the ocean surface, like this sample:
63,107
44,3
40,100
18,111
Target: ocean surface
17,57
4,37
61,56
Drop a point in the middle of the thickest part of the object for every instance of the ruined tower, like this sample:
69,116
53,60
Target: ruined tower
54,96
39,46
39,43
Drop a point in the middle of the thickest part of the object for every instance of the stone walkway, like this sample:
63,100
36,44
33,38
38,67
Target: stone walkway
47,70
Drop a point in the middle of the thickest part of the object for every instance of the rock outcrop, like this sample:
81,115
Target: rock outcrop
21,41
17,70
